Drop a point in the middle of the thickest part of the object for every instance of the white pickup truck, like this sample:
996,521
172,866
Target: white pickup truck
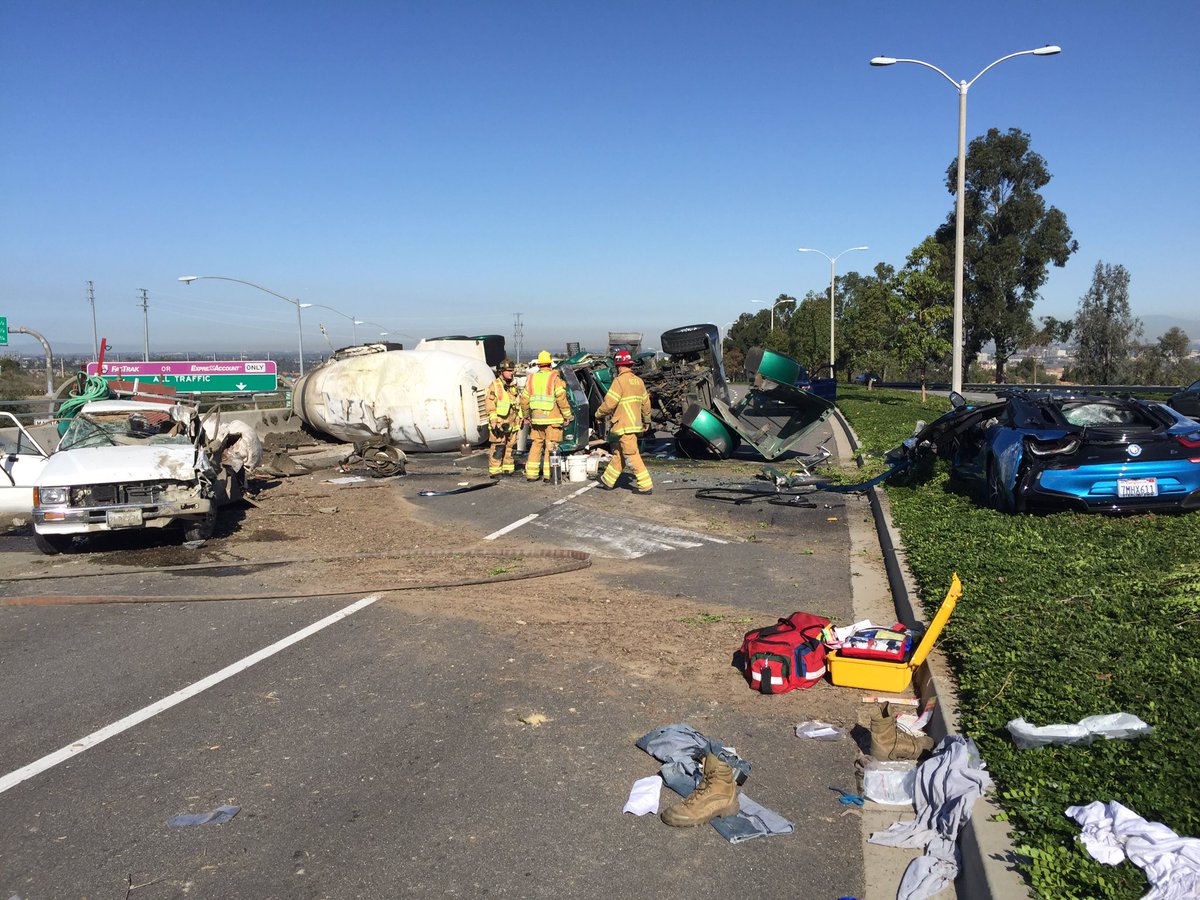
130,464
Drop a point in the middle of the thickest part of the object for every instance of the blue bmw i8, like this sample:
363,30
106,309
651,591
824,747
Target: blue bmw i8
1058,450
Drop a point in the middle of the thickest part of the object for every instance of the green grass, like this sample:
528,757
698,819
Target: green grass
1063,616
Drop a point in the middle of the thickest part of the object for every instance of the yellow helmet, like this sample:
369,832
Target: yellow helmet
544,358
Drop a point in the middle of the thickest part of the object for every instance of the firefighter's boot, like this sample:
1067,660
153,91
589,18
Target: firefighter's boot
715,796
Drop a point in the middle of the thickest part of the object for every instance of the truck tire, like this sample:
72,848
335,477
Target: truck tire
688,339
52,544
201,529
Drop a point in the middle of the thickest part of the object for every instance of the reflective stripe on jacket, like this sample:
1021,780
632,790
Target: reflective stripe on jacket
628,403
502,402
545,398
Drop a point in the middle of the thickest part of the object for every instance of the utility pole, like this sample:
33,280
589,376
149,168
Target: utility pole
146,321
518,335
95,343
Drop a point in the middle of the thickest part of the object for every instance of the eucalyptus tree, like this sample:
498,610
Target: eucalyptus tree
1011,238
865,325
1106,331
921,308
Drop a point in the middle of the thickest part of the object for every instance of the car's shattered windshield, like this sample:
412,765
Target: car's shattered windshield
112,429
1089,414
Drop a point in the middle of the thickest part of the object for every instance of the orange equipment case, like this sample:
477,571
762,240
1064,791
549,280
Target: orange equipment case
892,677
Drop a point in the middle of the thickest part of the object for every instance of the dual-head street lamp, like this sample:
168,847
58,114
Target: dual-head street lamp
775,304
832,276
355,321
188,279
962,87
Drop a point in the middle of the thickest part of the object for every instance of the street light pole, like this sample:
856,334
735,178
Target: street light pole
188,279
959,216
95,339
832,278
355,321
775,304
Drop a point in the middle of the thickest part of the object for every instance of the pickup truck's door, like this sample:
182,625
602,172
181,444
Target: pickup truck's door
21,462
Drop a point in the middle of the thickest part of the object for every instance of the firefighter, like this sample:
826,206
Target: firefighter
544,406
504,420
629,405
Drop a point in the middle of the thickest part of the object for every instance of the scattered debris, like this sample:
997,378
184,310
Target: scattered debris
890,782
534,719
1112,833
460,490
819,731
1112,726
218,816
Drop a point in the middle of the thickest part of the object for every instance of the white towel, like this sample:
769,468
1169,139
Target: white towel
644,796
1112,832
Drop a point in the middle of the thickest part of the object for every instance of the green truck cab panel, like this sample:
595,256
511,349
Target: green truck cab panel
774,415
702,435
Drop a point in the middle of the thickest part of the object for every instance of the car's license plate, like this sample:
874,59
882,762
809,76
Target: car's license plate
124,518
1137,487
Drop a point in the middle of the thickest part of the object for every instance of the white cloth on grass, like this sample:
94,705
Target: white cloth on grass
1112,832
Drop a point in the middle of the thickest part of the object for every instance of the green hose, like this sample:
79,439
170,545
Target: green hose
94,388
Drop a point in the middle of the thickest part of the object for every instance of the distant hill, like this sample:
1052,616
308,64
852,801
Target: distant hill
1157,326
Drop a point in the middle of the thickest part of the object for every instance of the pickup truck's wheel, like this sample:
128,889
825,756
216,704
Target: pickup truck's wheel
688,339
201,529
52,544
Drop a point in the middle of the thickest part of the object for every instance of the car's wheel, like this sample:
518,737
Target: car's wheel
52,544
997,496
688,339
201,529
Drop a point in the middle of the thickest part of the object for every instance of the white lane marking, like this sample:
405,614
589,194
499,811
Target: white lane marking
513,526
12,779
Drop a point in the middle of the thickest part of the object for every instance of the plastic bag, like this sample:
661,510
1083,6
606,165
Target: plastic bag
890,782
1111,726
819,731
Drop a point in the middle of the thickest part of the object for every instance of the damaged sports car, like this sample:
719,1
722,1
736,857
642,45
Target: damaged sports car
691,399
1061,450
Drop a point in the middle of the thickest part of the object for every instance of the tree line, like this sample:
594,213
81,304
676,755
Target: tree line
896,323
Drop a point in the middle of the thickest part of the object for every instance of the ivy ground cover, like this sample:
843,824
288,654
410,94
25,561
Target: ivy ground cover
1062,616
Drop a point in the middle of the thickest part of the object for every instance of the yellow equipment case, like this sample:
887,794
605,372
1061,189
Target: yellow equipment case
892,677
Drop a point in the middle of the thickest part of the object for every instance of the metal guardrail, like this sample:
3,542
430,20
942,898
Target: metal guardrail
991,388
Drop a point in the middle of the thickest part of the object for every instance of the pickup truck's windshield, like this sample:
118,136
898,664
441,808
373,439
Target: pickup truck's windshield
120,428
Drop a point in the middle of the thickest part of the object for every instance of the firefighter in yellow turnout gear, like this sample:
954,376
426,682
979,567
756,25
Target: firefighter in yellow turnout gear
544,404
629,405
504,420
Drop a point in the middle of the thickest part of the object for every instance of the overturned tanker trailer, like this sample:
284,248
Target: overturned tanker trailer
389,401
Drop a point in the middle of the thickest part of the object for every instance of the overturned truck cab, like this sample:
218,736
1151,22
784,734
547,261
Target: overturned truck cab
692,401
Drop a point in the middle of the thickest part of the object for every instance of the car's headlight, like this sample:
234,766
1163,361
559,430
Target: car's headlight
51,496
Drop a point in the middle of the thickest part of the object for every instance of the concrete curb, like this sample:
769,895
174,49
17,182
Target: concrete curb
988,870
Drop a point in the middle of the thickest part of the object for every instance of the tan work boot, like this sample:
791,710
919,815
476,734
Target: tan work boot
715,796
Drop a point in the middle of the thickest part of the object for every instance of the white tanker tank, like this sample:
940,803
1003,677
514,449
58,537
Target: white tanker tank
428,399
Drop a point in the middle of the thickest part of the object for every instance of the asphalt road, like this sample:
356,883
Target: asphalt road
385,755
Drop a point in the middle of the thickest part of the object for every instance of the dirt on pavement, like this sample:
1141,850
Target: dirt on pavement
331,535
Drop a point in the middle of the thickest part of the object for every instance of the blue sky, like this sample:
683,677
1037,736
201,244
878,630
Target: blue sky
436,167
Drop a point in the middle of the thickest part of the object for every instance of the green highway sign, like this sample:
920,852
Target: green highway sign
213,384
3,330
232,377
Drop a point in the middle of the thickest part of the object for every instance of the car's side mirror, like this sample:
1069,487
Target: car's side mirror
957,400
